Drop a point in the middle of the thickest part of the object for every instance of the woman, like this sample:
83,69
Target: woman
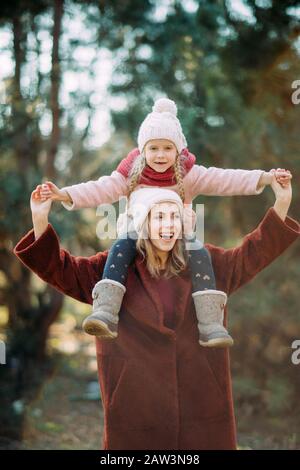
159,389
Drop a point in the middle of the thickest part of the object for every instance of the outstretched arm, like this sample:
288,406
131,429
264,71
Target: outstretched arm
275,233
40,251
105,190
214,181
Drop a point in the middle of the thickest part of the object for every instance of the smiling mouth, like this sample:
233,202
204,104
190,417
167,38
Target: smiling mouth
161,163
166,236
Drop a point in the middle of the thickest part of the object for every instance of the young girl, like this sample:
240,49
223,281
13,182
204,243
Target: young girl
161,160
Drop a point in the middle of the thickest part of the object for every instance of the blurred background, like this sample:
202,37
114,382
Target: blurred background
76,80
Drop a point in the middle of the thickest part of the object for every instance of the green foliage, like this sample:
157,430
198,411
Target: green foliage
12,9
279,396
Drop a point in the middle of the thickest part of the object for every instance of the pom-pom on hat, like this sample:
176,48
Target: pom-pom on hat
162,123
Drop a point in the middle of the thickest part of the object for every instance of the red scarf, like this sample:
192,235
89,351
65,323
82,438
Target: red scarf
151,177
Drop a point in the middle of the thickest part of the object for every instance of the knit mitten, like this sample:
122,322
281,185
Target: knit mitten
107,299
210,306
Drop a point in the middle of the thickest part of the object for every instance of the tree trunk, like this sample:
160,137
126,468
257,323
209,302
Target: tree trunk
55,84
30,314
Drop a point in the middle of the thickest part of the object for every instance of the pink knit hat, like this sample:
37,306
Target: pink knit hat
162,123
140,204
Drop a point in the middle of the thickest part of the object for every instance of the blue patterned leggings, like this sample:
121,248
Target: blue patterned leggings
123,251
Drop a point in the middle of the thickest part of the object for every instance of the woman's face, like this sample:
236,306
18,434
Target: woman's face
160,154
165,225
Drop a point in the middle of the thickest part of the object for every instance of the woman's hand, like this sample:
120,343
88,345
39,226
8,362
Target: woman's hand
40,210
283,194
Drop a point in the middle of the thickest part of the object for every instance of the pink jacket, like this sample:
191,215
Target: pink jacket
210,181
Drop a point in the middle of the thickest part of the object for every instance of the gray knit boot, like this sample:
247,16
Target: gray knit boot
107,299
209,306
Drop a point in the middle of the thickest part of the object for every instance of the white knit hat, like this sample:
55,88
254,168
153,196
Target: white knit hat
162,123
142,200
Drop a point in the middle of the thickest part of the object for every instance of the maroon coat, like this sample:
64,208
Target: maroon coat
160,389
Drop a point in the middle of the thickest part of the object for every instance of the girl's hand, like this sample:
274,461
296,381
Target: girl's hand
49,190
39,208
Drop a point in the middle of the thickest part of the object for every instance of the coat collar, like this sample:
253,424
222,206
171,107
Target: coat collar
143,301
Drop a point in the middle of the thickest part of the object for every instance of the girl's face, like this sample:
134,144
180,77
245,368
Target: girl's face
165,225
160,154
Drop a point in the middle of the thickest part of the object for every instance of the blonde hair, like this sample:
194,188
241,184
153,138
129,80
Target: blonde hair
139,165
177,259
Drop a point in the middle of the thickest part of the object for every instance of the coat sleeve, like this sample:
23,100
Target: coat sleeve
72,275
105,190
214,181
237,266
